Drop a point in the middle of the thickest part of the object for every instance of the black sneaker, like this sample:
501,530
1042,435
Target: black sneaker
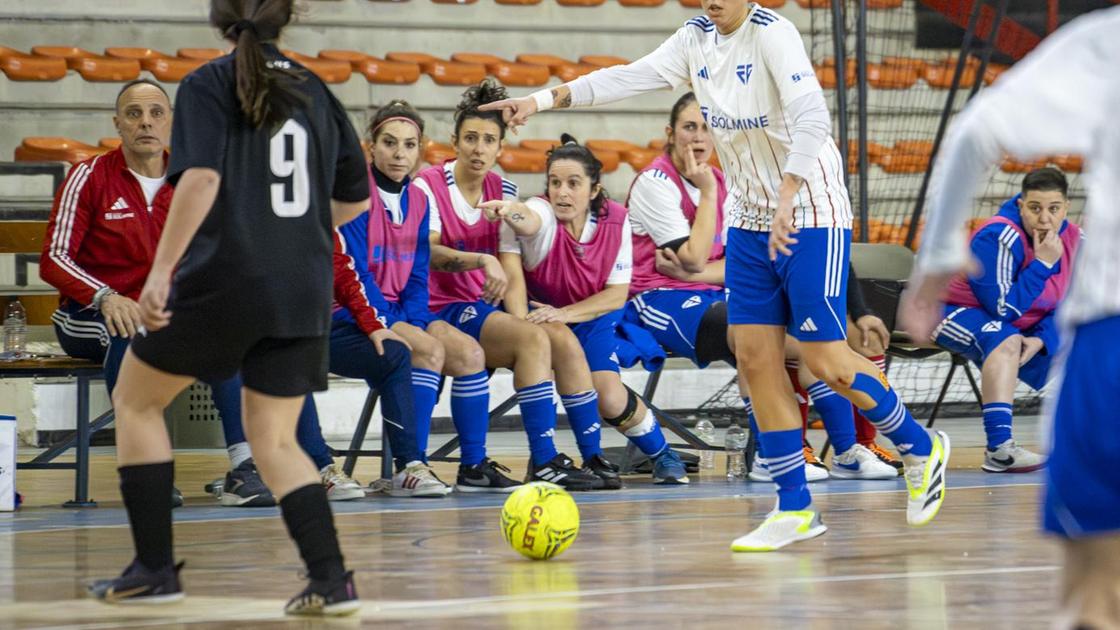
326,599
176,498
485,476
138,585
602,468
243,487
562,471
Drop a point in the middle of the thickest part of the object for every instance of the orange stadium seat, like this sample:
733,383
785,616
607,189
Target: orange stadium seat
619,146
1011,165
903,162
691,4
814,4
641,3
826,73
544,146
518,2
442,71
438,153
19,66
91,66
992,72
454,1
941,75
917,65
603,61
559,67
375,70
205,54
639,157
109,143
162,67
610,159
884,4
885,77
771,4
511,73
55,149
329,70
913,147
580,3
520,160
1068,163
658,144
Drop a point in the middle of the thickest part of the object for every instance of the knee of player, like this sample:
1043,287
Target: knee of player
626,410
463,359
832,369
428,353
532,339
613,401
1008,350
565,344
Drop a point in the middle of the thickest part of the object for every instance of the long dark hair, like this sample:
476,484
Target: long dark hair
486,92
688,98
393,109
571,149
266,91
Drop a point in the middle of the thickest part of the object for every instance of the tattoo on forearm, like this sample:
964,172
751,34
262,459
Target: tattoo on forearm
452,265
561,101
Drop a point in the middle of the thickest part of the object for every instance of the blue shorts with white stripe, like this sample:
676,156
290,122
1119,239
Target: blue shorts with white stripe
975,334
806,292
673,316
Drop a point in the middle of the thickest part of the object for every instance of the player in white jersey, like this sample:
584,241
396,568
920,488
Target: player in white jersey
765,108
1061,98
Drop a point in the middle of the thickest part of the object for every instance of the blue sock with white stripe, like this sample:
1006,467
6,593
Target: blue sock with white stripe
538,413
997,423
647,436
836,412
583,416
786,462
470,411
753,422
425,391
892,418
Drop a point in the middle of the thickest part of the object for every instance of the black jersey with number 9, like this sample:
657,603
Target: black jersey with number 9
264,250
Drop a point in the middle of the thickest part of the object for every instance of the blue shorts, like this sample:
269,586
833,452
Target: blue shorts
468,316
973,333
392,312
673,316
1082,495
597,337
806,292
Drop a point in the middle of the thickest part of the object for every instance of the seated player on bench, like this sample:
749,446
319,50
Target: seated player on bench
1002,317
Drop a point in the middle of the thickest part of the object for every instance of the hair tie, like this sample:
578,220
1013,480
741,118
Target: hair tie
241,26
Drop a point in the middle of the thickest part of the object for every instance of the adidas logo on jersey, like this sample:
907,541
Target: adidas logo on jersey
120,204
992,327
703,74
468,314
808,325
743,72
692,301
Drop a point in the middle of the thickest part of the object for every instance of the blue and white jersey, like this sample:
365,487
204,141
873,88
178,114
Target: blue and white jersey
744,83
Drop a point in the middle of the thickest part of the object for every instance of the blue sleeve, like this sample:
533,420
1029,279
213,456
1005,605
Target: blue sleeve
355,237
1002,289
1047,330
414,296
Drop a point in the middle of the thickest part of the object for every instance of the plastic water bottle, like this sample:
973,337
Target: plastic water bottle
736,445
15,328
706,431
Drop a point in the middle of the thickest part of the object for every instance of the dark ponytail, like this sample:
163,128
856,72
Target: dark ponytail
475,96
571,149
266,90
688,98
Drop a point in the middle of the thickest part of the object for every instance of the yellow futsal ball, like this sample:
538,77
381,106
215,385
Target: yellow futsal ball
540,520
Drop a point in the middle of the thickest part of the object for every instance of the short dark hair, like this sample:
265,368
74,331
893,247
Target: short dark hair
571,149
133,83
1046,179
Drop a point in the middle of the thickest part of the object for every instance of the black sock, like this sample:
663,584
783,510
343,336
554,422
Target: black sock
311,524
146,489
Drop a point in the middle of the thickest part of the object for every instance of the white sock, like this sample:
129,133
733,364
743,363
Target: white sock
238,453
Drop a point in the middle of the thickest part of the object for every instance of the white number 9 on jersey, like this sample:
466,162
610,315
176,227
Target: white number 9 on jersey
287,158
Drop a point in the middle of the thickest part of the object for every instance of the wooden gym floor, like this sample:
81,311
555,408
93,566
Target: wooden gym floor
646,557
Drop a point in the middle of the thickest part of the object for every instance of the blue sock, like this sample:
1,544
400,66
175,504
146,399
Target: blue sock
425,392
786,462
836,412
892,418
539,415
646,435
583,416
754,426
310,436
470,411
997,423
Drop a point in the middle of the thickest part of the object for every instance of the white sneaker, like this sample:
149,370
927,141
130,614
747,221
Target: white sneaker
340,487
780,529
1009,457
761,473
860,463
418,480
925,481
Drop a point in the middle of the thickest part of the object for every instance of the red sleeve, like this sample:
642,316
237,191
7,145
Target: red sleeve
70,219
348,290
